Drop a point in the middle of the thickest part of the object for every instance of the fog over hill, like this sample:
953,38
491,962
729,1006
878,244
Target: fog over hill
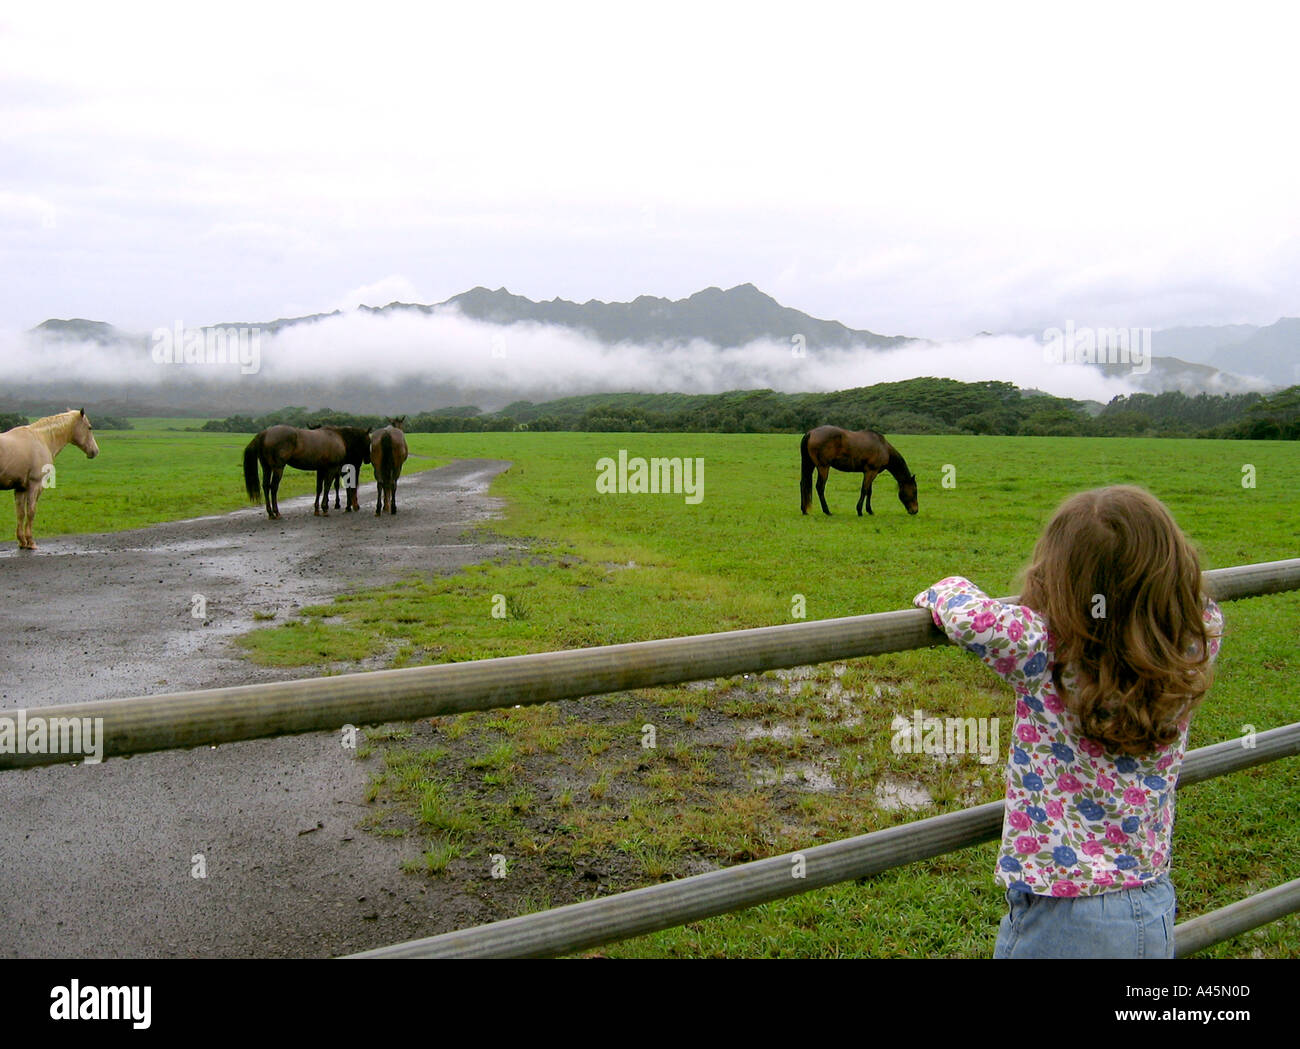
489,348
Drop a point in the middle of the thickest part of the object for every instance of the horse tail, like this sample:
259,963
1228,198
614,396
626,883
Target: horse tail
251,456
807,466
386,454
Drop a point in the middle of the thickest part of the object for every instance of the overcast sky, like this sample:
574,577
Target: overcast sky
911,169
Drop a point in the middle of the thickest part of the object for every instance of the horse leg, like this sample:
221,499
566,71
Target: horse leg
321,506
867,477
822,472
337,481
33,493
28,539
275,492
20,517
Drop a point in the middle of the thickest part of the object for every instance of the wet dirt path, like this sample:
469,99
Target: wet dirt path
100,860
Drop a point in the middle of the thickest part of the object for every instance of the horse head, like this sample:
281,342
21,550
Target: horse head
83,435
907,493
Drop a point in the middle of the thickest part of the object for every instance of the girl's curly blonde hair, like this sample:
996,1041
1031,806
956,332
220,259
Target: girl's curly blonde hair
1120,587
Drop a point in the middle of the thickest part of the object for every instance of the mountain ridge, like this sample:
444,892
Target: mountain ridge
730,318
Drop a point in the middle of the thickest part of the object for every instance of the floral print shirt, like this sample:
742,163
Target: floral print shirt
1079,819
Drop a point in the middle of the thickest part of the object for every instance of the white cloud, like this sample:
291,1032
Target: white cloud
542,362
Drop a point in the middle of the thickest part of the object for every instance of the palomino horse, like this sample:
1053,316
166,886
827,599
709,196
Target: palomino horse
859,451
327,450
387,454
27,461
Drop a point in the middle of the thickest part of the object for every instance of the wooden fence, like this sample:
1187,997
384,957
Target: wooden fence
213,716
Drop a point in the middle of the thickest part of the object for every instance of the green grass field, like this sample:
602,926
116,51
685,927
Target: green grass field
736,769
763,765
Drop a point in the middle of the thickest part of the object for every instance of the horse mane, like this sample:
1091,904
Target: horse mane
355,438
59,426
897,465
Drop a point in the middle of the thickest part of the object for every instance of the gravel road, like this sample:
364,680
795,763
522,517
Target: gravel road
101,860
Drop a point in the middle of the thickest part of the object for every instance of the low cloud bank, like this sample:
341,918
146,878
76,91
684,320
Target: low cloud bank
528,360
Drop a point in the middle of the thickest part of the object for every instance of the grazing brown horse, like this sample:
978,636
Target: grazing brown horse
27,461
853,451
326,450
387,454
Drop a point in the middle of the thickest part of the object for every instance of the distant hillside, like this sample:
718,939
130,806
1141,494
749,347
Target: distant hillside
1198,345
80,330
737,317
1272,353
914,406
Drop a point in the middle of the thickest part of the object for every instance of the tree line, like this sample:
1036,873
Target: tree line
8,420
912,406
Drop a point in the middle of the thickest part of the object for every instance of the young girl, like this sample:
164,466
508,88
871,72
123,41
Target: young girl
1109,651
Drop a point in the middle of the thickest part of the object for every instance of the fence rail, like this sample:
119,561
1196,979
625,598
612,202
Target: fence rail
226,715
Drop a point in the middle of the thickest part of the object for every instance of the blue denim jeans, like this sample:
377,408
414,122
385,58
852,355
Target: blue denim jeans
1125,923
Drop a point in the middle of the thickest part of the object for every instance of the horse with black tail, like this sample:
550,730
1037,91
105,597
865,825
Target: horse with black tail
327,450
387,454
853,451
358,442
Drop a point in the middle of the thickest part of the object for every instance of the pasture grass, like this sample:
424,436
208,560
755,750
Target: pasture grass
163,471
766,764
758,765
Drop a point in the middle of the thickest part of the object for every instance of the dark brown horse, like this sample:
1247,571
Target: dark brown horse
328,450
853,451
358,452
357,440
387,454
